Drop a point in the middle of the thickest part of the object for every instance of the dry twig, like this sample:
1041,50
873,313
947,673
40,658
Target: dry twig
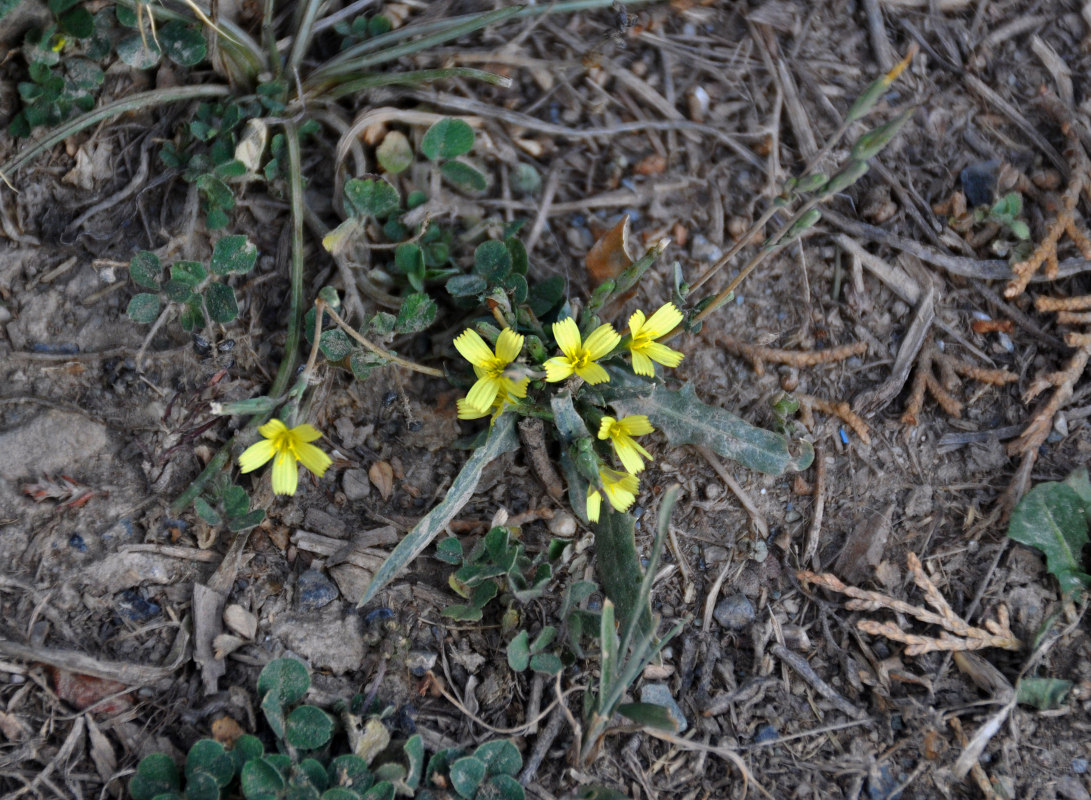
758,355
956,634
925,380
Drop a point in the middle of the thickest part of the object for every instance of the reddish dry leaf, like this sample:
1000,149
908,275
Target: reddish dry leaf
382,475
84,691
611,255
651,165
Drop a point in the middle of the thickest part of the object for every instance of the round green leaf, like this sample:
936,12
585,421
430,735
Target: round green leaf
246,747
233,254
418,311
84,74
394,154
145,269
519,652
201,786
287,678
143,307
78,23
409,258
156,774
340,793
220,299
502,787
139,52
446,139
492,261
183,45
516,284
380,791
335,344
350,770
193,316
501,757
370,197
466,285
315,773
260,777
308,728
525,179
466,775
208,756
465,177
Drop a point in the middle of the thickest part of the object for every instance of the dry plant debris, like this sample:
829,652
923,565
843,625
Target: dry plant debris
957,635
942,386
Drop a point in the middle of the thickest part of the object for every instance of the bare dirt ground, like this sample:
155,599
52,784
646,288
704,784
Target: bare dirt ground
730,99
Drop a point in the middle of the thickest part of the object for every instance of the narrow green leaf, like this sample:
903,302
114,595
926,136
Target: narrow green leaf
447,138
1052,518
684,419
617,565
649,715
501,440
206,511
465,177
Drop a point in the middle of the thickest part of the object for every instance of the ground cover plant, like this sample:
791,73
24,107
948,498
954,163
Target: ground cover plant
624,385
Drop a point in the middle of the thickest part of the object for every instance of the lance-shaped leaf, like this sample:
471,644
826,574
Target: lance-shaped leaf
684,419
501,440
1052,517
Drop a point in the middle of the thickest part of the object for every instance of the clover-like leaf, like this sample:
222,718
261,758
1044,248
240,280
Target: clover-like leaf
146,270
417,312
286,678
447,138
184,45
308,728
221,303
464,176
143,308
371,197
233,254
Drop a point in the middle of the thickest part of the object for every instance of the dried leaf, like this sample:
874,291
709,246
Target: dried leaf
102,752
84,691
241,621
611,254
382,476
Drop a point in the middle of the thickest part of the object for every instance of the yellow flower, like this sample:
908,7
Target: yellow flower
490,367
643,346
579,356
620,488
620,432
499,403
287,445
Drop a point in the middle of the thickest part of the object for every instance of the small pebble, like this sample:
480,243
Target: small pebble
135,607
660,695
734,612
563,524
979,182
356,484
420,661
713,490
76,542
315,590
1079,765
766,733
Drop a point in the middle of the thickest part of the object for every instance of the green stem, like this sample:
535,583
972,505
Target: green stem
137,102
295,297
331,90
217,463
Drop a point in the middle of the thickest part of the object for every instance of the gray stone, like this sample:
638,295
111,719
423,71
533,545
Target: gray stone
563,524
319,521
327,638
734,612
315,590
355,484
660,695
51,442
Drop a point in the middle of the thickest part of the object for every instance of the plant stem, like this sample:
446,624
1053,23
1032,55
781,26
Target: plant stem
394,358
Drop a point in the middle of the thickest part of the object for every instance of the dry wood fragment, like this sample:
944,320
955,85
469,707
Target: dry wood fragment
758,355
837,408
956,634
924,380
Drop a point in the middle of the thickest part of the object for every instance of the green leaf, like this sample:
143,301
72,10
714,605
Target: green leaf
503,787
382,324
409,258
236,501
145,269
520,262
1019,229
547,663
189,273
340,793
233,254
501,757
380,791
545,295
466,775
220,300
246,747
516,285
350,770
1053,518
315,773
156,774
686,420
525,179
182,44
462,612
362,362
246,521
260,777
447,138
208,756
853,172
206,511
492,261
650,715
465,177
394,154
216,218
869,145
371,197
466,286
77,23
449,550
418,311
308,728
1042,693
286,678
501,440
143,308
414,756
193,316
335,344
519,652
618,566
201,786
139,52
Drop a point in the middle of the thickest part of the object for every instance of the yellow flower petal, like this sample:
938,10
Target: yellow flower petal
557,369
508,345
483,392
628,453
272,428
665,320
312,458
594,505
568,337
466,411
473,348
636,425
285,473
605,426
663,354
636,322
516,389
256,454
592,373
306,433
601,341
642,365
